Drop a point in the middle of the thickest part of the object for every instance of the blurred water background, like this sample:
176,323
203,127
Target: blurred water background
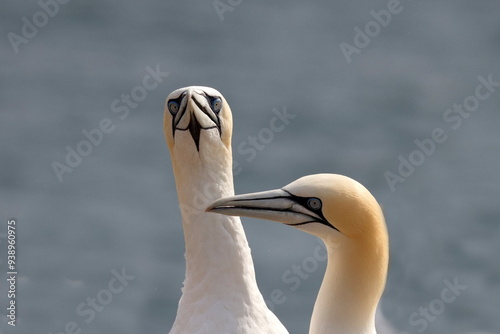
117,209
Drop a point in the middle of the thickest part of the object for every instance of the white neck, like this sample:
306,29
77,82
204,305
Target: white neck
216,247
220,292
352,286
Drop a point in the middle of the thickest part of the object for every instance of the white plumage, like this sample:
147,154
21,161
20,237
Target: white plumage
350,222
220,293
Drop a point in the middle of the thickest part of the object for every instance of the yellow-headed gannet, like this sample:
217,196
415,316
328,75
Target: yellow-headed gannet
220,293
350,222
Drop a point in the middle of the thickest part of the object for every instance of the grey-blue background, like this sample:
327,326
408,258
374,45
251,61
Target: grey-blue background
118,208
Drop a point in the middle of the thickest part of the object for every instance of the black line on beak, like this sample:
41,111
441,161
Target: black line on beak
194,130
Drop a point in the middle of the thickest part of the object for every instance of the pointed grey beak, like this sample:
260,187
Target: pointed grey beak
276,205
194,114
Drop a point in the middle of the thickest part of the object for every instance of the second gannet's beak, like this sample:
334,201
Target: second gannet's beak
278,205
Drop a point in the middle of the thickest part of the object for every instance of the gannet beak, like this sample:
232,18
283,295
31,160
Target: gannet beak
194,111
276,205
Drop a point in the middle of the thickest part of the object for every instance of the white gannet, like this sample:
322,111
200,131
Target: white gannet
220,293
350,222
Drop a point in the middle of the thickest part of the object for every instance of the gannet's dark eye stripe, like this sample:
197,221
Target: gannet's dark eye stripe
322,222
178,103
315,205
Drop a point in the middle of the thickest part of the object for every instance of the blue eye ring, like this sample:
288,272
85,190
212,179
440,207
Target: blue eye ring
216,104
173,107
314,203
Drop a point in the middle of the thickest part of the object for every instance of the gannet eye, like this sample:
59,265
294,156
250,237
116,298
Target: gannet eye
216,104
314,203
173,107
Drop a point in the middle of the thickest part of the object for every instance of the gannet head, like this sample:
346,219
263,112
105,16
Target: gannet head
330,206
350,222
198,124
195,115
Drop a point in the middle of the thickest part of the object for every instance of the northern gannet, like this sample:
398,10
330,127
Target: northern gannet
220,293
350,222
